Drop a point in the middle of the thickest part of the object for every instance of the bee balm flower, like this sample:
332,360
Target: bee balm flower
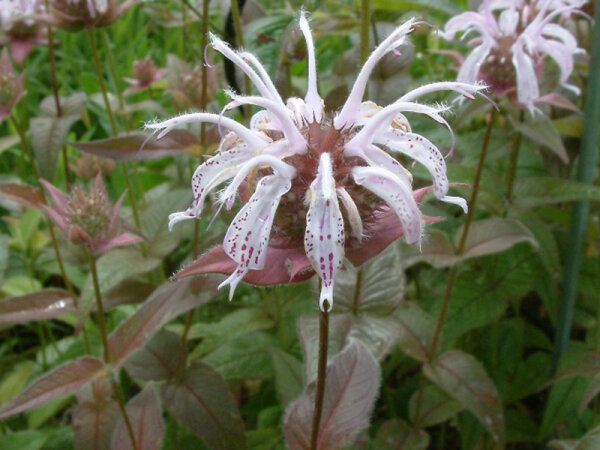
19,27
316,188
514,39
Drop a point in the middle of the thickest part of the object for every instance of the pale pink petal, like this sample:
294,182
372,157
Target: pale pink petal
469,70
527,85
396,194
247,237
348,114
351,212
324,237
209,175
314,103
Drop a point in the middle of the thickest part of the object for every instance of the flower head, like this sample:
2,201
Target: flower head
19,26
316,189
145,73
73,15
514,39
11,86
88,217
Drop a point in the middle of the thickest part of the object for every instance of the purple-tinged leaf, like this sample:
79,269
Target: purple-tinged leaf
166,303
36,306
95,417
351,387
157,360
127,147
495,235
396,434
376,286
486,237
415,328
145,414
462,377
432,406
65,379
23,194
201,400
561,101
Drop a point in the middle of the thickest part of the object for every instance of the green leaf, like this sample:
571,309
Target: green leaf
462,377
431,407
376,286
234,325
49,132
113,268
398,435
14,381
24,440
533,192
562,405
415,330
289,378
590,441
245,357
541,131
418,5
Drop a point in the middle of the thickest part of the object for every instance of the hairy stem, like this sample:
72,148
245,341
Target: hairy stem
511,170
112,68
465,233
321,375
113,125
54,83
105,348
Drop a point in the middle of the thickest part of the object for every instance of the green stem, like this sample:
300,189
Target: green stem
54,83
53,239
103,90
239,38
511,170
464,235
112,69
585,174
321,375
113,125
365,38
105,348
